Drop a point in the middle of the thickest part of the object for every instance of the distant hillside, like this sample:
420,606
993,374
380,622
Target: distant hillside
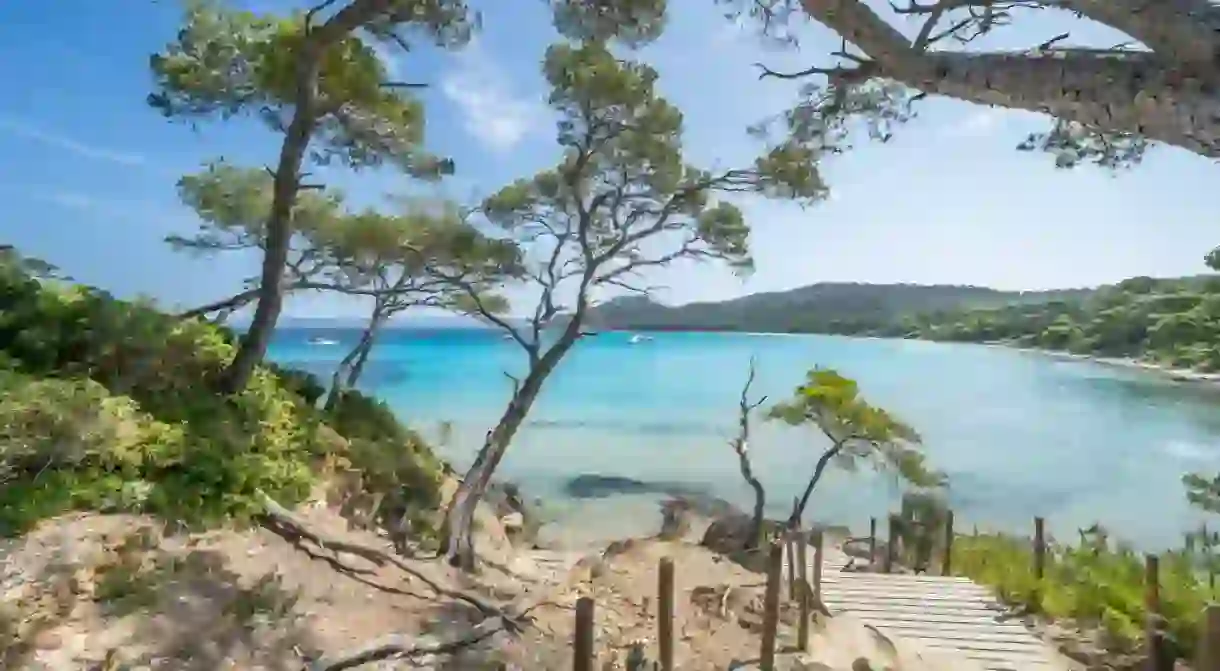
827,307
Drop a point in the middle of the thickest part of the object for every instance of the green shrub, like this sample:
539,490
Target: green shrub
107,405
109,402
393,461
1095,584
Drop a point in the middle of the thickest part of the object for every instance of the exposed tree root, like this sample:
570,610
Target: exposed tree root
405,646
286,524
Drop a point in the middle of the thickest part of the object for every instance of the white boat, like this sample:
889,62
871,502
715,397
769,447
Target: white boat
638,338
322,341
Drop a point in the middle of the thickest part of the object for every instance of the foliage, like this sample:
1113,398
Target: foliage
393,461
1170,322
1094,583
621,201
101,408
826,307
857,430
227,62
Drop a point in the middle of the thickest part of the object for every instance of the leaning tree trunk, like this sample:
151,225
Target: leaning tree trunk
353,363
459,518
1168,95
288,183
279,226
760,494
818,470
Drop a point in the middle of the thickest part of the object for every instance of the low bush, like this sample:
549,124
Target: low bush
107,405
1095,584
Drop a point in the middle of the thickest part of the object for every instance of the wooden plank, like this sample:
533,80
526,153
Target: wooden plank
938,613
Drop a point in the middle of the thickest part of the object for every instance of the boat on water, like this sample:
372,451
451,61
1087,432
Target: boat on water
638,338
322,341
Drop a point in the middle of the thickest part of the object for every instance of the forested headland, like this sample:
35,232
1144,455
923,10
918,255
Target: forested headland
1172,322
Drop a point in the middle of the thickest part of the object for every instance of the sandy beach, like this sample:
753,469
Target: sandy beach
1176,374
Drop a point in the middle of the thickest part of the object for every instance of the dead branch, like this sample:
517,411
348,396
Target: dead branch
284,523
400,646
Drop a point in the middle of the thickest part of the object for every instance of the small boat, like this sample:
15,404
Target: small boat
322,341
638,338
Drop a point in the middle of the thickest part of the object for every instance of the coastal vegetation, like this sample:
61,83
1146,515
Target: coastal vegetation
102,410
1098,585
622,200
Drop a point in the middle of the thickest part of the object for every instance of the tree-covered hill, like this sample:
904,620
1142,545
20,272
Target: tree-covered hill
1172,322
828,307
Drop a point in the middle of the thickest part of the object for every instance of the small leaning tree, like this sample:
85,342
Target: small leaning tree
621,200
394,259
858,432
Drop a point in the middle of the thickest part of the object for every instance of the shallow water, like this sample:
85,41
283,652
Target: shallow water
1020,434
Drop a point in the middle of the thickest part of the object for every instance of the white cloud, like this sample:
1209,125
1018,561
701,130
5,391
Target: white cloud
491,111
28,131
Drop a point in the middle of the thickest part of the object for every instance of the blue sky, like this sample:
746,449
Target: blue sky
89,170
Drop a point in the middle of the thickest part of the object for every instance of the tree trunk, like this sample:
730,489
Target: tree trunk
1159,95
353,362
818,469
459,518
279,224
760,495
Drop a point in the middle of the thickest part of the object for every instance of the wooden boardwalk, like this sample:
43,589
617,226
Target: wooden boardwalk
950,614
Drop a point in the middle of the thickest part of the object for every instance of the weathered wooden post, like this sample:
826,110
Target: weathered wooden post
665,613
582,642
1039,548
804,595
891,546
946,567
775,575
1158,657
1209,639
872,541
819,542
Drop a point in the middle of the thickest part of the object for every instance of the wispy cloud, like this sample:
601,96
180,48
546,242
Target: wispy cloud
19,128
492,112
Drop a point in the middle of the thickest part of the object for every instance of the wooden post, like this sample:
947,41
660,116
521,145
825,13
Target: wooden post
1039,567
804,594
946,567
583,636
665,613
1209,639
819,541
1039,548
775,575
872,541
1158,658
891,547
790,553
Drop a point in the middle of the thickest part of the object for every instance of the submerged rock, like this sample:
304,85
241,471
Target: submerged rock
597,486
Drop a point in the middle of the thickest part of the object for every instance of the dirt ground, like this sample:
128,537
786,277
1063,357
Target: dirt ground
111,592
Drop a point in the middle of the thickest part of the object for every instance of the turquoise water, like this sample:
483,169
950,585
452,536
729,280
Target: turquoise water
1020,434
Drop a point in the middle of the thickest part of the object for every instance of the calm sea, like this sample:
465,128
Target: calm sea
1020,434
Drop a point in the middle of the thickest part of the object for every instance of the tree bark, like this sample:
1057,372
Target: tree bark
1156,95
287,184
459,518
353,362
818,470
760,499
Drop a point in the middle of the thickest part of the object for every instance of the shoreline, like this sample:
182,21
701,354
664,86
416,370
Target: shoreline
1186,375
